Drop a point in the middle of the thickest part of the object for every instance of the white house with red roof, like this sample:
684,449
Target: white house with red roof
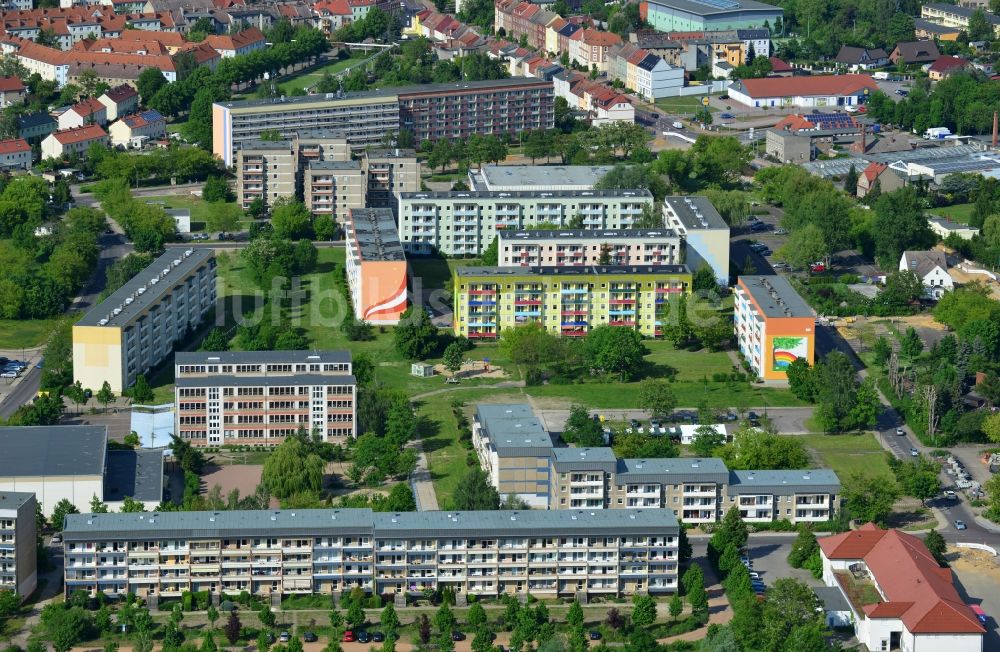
914,606
11,91
814,91
73,141
15,154
85,112
231,45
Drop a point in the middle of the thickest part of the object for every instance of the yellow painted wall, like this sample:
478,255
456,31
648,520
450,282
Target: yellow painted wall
97,357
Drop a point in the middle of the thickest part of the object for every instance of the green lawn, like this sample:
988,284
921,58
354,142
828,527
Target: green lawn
847,454
684,104
311,78
25,333
435,272
199,208
957,213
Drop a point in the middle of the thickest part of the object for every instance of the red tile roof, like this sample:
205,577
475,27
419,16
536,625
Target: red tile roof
241,40
918,591
777,65
946,62
120,94
89,106
874,171
14,145
593,37
79,134
824,85
9,84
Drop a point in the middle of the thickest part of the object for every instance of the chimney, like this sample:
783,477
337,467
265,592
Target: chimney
994,129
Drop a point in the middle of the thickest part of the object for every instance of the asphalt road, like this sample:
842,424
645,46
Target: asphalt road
23,393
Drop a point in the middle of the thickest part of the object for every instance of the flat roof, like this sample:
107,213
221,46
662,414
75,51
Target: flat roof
513,428
318,522
586,234
715,7
14,499
136,473
335,165
832,598
225,380
585,270
373,231
391,93
516,176
775,296
822,480
260,357
695,212
38,451
146,288
390,152
950,225
251,145
964,12
673,470
525,194
600,458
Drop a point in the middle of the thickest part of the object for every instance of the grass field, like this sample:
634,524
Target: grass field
685,104
957,213
25,333
199,208
848,454
311,78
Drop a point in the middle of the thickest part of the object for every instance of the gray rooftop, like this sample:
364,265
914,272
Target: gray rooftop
513,429
260,357
141,292
780,482
335,165
695,212
392,93
832,598
374,232
320,522
223,380
14,499
716,7
389,152
136,473
320,134
509,177
585,234
673,470
249,146
35,451
459,195
776,297
586,270
964,12
584,459
951,225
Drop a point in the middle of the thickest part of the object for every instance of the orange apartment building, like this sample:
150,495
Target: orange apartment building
773,324
376,266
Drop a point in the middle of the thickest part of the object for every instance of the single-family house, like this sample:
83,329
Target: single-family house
861,58
73,141
133,131
11,91
119,101
15,154
86,112
923,51
887,178
947,65
931,267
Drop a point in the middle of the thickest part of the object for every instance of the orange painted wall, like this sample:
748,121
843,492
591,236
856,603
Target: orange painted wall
804,327
383,291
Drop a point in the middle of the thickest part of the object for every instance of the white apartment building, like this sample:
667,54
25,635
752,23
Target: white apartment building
18,543
705,233
260,397
327,551
465,223
136,328
581,248
800,496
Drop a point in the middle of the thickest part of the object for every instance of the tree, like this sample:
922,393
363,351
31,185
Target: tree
805,246
149,81
62,508
790,604
141,392
216,190
293,469
900,225
291,220
131,505
869,498
266,616
732,531
490,255
804,547
643,610
910,345
937,546
444,619
233,627
617,350
704,279
801,380
684,550
474,491
851,181
707,440
355,614
424,629
212,614
752,448
581,429
676,607
657,397
901,289
454,355
979,28
416,336
389,619
574,617
105,395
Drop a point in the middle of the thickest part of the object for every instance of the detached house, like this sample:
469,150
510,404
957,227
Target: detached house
887,178
89,111
931,267
915,52
15,154
73,141
119,101
135,130
11,91
861,58
947,65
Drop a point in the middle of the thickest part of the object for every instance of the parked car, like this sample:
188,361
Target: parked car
914,452
309,637
754,575
595,635
902,92
960,525
900,432
284,637
348,637
56,538
363,637
780,231
377,637
950,495
457,636
727,116
8,374
817,268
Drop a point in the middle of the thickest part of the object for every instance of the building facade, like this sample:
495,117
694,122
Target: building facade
773,325
566,301
513,449
465,223
265,170
581,247
260,397
18,543
136,328
73,141
334,188
15,154
389,171
488,553
375,266
708,15
705,233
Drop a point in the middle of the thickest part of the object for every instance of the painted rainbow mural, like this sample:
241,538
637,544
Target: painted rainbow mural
784,351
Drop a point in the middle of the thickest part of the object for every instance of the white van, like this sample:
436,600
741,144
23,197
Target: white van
677,124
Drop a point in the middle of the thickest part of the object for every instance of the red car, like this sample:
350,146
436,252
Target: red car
817,268
348,637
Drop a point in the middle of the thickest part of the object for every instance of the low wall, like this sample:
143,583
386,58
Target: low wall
978,546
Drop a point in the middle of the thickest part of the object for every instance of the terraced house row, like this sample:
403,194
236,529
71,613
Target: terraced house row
485,553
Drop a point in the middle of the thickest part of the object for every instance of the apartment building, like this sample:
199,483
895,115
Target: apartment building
773,324
429,111
18,543
137,326
705,233
322,145
518,178
520,459
955,16
260,397
465,223
266,170
329,551
120,101
389,171
15,154
334,188
87,112
375,266
566,301
11,91
513,448
644,72
582,248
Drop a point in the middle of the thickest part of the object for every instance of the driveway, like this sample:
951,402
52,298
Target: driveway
978,577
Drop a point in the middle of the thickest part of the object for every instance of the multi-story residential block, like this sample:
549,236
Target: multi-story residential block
15,154
518,178
520,459
334,188
589,47
465,223
487,553
644,72
73,141
322,145
33,127
120,101
375,266
260,397
773,325
705,233
266,170
138,325
567,301
18,543
582,247
389,171
955,16
430,111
